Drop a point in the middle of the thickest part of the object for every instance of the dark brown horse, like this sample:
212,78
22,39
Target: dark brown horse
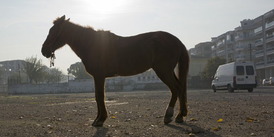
105,54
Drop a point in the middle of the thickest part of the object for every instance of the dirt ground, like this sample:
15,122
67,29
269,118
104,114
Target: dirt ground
138,114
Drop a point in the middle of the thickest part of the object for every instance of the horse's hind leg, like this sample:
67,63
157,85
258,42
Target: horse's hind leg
182,99
170,80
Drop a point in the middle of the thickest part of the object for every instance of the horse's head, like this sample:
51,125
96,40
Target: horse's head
55,38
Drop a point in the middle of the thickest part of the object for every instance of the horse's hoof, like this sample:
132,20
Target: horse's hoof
167,120
97,124
184,113
179,120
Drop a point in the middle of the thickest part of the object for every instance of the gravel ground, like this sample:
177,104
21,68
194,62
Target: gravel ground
139,114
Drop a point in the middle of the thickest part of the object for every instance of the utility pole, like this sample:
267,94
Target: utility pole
250,52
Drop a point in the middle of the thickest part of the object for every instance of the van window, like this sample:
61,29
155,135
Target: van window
249,70
240,70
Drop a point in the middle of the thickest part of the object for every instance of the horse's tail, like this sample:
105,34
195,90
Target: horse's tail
183,65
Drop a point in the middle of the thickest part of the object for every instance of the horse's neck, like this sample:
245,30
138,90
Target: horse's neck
74,37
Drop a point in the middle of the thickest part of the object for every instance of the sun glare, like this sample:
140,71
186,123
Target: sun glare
105,7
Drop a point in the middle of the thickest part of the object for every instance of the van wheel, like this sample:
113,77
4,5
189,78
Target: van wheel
229,88
250,90
214,88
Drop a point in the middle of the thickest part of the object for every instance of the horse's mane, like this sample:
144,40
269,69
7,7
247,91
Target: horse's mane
86,29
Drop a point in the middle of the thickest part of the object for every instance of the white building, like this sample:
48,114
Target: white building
11,70
253,40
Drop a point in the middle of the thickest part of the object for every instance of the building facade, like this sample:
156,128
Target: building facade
252,41
12,70
202,49
264,45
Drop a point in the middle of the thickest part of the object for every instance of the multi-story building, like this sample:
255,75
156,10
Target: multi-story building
252,41
224,46
11,70
264,44
202,49
236,45
244,39
198,58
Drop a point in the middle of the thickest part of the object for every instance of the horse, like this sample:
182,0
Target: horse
105,54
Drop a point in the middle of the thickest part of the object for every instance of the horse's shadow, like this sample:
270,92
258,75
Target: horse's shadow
100,132
190,128
183,127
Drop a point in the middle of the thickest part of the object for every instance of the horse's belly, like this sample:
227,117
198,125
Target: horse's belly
132,69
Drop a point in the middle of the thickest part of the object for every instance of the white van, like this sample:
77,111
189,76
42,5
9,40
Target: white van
235,75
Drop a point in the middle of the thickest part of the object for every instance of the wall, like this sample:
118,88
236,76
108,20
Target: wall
85,85
38,88
3,88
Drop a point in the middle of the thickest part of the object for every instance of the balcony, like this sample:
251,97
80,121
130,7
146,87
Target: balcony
258,30
219,45
259,53
270,39
221,53
269,25
270,50
238,38
213,47
240,57
259,42
270,61
239,48
230,50
229,42
259,64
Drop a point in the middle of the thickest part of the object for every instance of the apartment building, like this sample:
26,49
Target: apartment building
236,45
252,41
198,58
264,44
223,46
202,49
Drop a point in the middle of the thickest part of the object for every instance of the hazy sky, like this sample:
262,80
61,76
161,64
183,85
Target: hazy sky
24,25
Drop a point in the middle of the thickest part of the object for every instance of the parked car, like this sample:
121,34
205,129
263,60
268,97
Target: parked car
235,75
267,82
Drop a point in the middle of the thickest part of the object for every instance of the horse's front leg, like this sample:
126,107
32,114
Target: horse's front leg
100,100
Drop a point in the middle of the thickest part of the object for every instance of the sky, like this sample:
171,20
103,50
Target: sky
24,25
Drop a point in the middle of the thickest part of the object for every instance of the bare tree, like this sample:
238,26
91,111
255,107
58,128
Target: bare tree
211,67
34,69
78,70
54,75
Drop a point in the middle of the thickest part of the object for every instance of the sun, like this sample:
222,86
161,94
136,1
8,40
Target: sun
106,7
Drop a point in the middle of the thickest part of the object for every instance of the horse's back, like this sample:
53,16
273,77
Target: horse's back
138,53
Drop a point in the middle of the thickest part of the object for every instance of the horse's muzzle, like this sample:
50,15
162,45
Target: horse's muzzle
46,52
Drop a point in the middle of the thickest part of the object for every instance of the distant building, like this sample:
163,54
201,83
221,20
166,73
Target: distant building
12,70
202,49
197,65
236,45
199,56
252,41
264,45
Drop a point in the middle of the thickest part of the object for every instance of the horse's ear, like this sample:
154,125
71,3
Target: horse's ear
68,19
63,17
59,20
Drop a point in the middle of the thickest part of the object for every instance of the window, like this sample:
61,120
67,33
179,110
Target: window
240,70
228,37
249,70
